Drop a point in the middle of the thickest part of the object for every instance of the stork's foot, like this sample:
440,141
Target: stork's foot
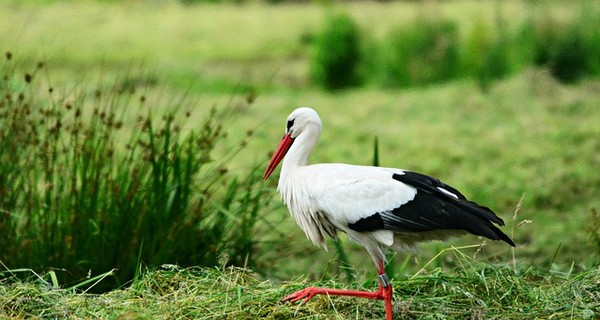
383,293
305,295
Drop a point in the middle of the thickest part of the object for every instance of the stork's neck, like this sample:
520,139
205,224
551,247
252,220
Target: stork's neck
298,154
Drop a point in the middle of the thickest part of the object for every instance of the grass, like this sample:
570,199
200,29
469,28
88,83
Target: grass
253,49
84,188
476,291
527,135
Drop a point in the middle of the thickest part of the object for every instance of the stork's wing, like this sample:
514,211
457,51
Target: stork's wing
434,206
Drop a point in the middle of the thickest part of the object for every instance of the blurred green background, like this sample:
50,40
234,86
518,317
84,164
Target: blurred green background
497,98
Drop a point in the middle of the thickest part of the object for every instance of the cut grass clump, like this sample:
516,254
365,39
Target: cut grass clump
171,292
86,187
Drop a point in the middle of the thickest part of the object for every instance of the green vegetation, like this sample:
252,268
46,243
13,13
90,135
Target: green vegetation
432,49
423,52
335,60
79,194
577,53
474,292
508,132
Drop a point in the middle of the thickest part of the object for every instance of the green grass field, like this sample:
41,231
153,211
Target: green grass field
476,292
526,137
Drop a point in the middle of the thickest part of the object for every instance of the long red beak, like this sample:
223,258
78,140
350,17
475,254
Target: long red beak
282,149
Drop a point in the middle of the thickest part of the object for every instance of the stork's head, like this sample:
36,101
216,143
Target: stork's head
302,120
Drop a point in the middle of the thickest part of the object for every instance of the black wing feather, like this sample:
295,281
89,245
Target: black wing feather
431,185
434,209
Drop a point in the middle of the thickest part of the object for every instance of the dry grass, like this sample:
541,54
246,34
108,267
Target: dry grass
169,292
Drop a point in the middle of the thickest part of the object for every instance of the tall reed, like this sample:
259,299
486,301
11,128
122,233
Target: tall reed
86,187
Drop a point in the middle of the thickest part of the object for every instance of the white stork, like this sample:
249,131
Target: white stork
379,208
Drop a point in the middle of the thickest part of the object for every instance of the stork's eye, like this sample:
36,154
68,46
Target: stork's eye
290,123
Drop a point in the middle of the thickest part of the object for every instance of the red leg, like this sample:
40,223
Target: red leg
385,286
384,292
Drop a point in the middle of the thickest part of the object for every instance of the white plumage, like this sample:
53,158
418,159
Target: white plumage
340,194
379,208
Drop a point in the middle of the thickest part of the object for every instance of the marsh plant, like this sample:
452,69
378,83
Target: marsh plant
87,185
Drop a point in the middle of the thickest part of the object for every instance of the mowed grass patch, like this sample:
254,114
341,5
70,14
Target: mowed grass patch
170,292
